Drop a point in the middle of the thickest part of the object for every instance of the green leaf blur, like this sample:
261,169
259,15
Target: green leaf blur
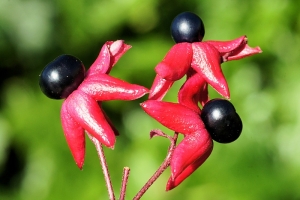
35,162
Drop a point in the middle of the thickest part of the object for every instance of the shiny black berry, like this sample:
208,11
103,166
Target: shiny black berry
61,77
221,120
187,27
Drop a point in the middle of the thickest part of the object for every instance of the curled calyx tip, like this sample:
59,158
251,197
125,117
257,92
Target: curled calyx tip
258,49
116,46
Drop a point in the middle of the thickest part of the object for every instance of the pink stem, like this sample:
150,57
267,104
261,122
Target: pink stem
103,162
125,177
161,169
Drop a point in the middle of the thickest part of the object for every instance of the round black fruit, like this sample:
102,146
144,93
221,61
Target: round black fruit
187,27
61,77
221,120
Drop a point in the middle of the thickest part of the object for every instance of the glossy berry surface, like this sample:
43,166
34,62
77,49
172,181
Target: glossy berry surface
221,120
61,77
187,27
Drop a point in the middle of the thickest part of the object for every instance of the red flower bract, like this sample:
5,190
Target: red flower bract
204,58
197,144
190,154
81,111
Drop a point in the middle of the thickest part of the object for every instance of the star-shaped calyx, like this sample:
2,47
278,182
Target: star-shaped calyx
81,111
192,55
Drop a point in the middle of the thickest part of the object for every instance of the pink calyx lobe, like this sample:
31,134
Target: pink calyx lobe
176,63
86,111
104,87
173,116
188,156
234,49
159,88
74,134
194,90
207,62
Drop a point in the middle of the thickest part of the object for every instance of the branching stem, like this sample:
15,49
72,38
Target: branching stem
163,166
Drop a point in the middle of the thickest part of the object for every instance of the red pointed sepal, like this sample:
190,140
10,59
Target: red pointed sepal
207,62
104,87
190,154
74,134
176,63
87,113
194,90
174,116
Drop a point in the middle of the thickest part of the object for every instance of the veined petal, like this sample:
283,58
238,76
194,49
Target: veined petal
191,152
176,63
86,112
174,116
159,88
74,134
104,87
206,61
117,49
189,93
172,183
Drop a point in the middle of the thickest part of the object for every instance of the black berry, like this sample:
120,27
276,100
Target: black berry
61,77
187,27
221,120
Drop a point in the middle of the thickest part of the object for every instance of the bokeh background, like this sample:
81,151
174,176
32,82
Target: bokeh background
35,162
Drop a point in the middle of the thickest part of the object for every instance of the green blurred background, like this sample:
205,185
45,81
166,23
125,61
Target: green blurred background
35,162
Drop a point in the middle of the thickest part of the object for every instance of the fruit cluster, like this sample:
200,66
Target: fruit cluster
200,119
